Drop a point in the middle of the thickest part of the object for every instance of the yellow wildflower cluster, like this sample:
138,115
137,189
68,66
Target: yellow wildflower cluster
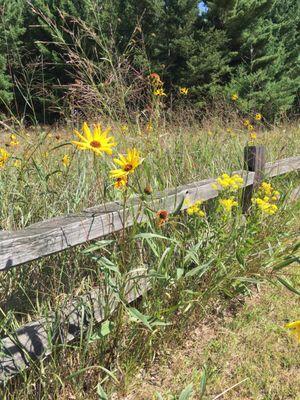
4,156
234,97
159,92
294,327
195,209
229,183
228,204
266,199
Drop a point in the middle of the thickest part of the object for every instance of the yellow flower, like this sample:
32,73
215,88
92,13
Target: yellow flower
267,188
98,141
124,128
234,97
4,156
13,140
17,164
230,183
258,117
159,92
253,136
246,122
66,160
121,182
149,127
265,206
228,204
250,127
195,209
127,163
184,91
294,327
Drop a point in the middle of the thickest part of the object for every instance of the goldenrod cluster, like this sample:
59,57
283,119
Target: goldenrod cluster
266,198
229,183
195,209
228,204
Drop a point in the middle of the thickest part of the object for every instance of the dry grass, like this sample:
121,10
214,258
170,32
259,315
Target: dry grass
248,343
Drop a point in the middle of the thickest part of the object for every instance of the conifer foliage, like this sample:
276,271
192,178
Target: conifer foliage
249,47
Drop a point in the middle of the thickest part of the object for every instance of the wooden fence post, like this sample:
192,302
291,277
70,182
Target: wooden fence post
254,161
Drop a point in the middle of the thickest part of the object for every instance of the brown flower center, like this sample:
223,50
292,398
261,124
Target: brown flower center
95,143
128,167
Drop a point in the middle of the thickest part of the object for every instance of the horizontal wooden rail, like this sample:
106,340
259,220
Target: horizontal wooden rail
35,340
57,234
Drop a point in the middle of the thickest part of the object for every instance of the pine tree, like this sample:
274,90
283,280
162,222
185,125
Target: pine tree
263,69
11,27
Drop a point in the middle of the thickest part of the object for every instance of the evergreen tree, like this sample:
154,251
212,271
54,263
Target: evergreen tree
11,27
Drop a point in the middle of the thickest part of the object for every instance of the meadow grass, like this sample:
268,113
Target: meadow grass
197,262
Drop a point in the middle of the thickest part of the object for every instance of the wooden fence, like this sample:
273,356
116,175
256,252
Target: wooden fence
36,340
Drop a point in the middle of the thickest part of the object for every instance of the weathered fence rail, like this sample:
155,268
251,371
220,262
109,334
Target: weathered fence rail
35,340
58,234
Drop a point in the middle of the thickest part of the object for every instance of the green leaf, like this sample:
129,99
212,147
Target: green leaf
187,392
286,263
202,387
288,285
137,315
106,328
199,271
101,393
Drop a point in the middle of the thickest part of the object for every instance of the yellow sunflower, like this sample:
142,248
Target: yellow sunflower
127,163
98,141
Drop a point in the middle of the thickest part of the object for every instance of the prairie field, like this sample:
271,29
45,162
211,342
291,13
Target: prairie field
37,183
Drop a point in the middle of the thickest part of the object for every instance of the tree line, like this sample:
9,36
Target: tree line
215,49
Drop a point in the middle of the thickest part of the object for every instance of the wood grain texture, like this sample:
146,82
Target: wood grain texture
57,234
36,340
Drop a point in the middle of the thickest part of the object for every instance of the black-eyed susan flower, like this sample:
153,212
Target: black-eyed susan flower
127,163
159,92
234,97
66,160
246,122
162,217
253,136
97,140
4,156
250,127
294,327
184,91
258,117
